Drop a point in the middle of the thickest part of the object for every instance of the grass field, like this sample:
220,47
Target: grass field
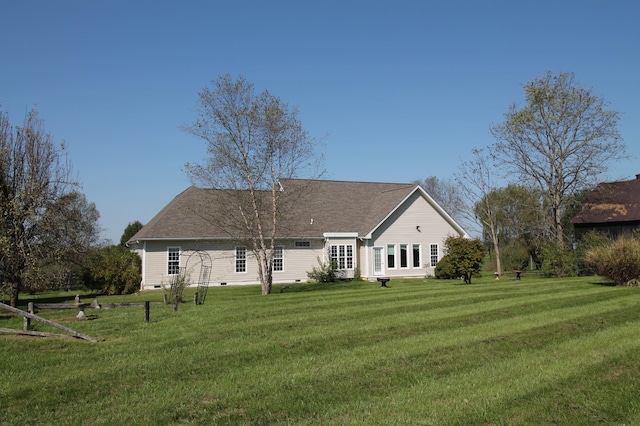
535,351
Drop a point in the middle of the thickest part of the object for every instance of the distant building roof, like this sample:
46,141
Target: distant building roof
611,202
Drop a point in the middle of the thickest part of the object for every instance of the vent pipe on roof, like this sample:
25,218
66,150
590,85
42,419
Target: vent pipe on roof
637,176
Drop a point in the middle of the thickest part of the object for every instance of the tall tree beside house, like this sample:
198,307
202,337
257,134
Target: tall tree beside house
253,140
477,183
35,188
561,141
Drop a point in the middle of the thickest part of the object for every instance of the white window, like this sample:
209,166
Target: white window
241,259
433,249
404,256
416,256
391,256
341,255
173,260
278,259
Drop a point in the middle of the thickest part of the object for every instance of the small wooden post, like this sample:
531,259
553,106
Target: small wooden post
77,299
176,300
26,321
195,298
164,299
147,305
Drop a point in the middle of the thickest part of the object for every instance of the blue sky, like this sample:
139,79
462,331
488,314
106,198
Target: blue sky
403,89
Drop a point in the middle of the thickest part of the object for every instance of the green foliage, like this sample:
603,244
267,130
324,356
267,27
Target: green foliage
558,260
619,261
357,276
445,270
515,255
466,256
589,241
113,270
130,231
325,272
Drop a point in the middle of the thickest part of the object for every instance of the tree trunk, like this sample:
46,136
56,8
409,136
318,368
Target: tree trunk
13,295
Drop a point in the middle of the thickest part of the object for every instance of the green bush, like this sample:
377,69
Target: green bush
325,272
619,261
445,269
113,270
466,256
558,261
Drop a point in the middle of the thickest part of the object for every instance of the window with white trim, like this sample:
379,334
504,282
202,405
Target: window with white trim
241,259
341,255
173,260
416,255
433,251
391,256
404,256
278,259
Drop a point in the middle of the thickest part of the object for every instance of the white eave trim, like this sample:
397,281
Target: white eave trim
340,235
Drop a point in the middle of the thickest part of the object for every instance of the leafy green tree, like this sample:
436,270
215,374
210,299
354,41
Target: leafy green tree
35,178
466,256
113,270
561,141
131,230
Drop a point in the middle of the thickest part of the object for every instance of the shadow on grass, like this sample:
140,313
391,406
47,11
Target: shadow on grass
603,283
338,285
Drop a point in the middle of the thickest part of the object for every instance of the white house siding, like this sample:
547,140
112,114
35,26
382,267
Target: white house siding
415,222
220,255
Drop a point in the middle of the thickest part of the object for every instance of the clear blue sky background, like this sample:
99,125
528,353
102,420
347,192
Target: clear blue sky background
404,89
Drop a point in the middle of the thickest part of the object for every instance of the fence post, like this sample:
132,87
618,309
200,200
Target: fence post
147,305
176,300
26,322
195,298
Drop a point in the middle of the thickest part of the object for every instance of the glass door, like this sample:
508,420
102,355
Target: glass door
378,268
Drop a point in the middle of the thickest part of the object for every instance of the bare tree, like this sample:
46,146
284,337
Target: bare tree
34,175
561,141
253,141
447,193
477,181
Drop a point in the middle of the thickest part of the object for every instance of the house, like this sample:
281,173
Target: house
612,208
374,229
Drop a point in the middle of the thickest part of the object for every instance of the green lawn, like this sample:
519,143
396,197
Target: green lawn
535,351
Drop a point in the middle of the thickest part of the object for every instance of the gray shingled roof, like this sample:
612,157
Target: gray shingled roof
321,206
610,203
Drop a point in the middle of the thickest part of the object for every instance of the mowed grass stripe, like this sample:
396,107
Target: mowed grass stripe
249,360
320,374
